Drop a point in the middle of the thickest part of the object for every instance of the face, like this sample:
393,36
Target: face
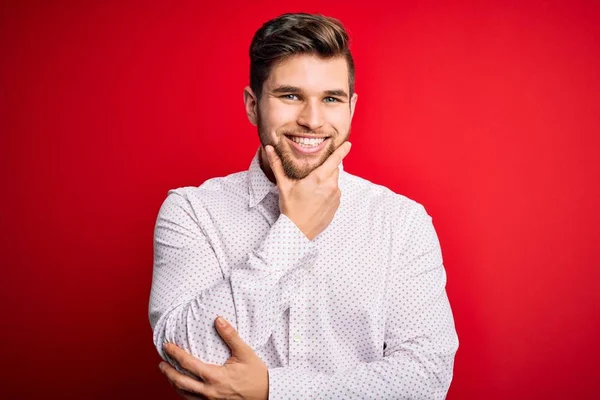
304,112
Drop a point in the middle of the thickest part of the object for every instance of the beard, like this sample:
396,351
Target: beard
293,167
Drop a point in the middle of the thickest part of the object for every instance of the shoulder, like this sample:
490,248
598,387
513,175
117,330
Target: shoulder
406,221
381,199
212,192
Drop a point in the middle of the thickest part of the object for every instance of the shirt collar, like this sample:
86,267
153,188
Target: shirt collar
259,185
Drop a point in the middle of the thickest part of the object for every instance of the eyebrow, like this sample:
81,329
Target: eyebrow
294,89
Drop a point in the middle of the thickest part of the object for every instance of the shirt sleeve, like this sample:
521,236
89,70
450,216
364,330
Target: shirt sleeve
420,337
189,288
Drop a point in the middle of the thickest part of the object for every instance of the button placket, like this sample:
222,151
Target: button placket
299,335
297,328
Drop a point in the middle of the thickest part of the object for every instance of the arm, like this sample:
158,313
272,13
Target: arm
189,288
420,338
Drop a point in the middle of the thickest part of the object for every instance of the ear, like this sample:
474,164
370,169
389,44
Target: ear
251,104
353,101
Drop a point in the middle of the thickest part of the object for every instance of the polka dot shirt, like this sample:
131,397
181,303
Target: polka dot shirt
359,312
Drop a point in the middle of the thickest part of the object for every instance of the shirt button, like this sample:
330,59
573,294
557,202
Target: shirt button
296,338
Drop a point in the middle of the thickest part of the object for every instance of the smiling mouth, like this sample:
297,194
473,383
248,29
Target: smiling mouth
306,141
306,146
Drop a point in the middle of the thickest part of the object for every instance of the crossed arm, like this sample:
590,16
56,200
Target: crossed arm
418,356
244,375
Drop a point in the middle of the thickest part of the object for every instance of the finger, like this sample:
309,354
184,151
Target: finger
334,160
238,347
188,362
276,165
335,175
183,382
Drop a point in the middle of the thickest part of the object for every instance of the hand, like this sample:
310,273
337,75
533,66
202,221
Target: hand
311,202
244,375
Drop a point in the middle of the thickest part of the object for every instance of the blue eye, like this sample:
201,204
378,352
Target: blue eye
289,97
333,100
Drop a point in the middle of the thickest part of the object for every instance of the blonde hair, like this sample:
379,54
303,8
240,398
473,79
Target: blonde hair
298,33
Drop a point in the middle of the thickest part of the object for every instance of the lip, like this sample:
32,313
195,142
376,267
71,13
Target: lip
308,136
308,150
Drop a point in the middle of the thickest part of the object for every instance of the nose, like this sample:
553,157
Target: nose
311,116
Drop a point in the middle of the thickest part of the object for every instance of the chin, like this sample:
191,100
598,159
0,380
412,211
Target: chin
297,169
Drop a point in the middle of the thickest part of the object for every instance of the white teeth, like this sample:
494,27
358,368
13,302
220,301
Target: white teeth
306,142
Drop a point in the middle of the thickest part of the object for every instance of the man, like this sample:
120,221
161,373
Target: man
325,285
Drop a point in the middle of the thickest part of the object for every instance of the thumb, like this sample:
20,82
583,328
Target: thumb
276,166
238,347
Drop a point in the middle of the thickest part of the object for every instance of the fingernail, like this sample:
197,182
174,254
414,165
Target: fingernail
161,367
269,148
221,322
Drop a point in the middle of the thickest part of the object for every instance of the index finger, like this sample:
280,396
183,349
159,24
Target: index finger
334,160
181,381
188,362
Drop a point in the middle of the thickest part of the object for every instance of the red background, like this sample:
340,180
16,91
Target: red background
486,113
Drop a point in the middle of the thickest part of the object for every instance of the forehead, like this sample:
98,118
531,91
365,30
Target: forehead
310,73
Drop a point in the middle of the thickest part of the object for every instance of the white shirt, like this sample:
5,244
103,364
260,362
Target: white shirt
360,311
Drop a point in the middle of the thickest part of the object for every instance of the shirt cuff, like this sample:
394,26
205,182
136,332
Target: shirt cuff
286,247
